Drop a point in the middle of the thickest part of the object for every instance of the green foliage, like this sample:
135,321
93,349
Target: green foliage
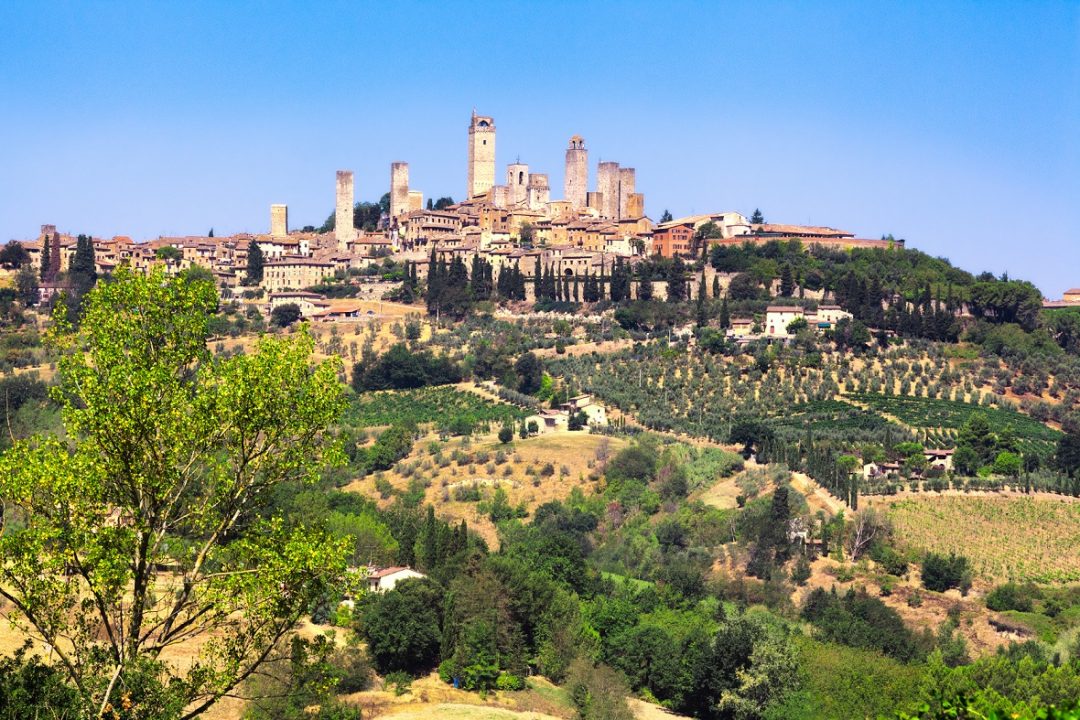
443,407
941,572
1009,596
169,447
859,620
285,315
403,626
30,688
255,264
400,368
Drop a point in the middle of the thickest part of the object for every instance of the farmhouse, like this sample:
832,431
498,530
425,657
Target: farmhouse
383,580
778,317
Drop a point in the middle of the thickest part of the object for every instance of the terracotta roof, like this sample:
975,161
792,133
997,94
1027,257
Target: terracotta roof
800,230
785,308
386,571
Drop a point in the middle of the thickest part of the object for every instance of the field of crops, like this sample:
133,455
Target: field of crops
444,407
1021,538
947,416
835,416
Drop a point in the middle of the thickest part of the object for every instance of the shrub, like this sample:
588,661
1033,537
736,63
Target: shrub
1009,596
940,573
507,681
506,434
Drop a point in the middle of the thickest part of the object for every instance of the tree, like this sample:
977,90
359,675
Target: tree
530,372
725,314
677,281
526,234
506,434
140,530
285,315
666,217
26,285
1067,456
757,218
444,202
402,627
255,263
787,281
13,255
169,253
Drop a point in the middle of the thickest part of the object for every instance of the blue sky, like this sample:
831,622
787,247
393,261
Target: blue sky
953,125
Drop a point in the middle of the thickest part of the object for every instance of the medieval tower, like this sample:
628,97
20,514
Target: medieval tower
481,155
576,180
627,181
279,220
399,190
607,184
343,209
517,179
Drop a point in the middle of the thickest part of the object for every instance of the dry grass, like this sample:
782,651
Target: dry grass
569,453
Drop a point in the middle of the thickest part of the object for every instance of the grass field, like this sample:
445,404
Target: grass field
1021,538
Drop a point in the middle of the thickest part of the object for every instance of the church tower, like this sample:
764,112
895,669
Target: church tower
481,155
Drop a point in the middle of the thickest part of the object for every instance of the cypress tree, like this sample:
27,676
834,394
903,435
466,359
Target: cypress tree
725,316
255,264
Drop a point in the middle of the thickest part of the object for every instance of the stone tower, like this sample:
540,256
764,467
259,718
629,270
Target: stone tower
416,200
344,210
538,193
481,155
635,206
607,184
517,179
399,189
627,180
576,180
279,220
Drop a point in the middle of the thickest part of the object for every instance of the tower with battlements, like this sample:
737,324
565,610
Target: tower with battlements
481,155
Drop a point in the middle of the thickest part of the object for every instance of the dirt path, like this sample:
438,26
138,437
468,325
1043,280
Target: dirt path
817,496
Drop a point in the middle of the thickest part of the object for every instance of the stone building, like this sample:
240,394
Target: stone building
538,193
344,209
576,179
279,220
481,155
416,201
607,185
518,181
294,273
399,189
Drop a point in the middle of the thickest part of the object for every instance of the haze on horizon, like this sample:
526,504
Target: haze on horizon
956,128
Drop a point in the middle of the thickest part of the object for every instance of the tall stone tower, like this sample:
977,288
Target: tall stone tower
607,184
627,181
517,179
279,220
481,155
344,210
576,180
399,189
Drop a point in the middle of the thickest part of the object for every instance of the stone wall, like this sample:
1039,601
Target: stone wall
538,194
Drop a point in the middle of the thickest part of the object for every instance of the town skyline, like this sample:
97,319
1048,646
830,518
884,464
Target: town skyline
965,158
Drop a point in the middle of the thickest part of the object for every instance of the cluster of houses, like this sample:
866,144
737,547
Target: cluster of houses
937,461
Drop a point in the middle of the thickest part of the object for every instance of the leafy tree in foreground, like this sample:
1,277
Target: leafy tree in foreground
141,533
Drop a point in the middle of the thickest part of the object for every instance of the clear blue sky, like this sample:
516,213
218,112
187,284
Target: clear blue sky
953,125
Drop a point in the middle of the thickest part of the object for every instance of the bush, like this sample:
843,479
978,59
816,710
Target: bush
940,573
890,561
506,434
506,681
1009,596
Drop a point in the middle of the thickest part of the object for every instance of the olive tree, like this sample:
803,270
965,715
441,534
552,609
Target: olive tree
139,535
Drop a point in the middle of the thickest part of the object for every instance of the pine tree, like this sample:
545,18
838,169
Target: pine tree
757,218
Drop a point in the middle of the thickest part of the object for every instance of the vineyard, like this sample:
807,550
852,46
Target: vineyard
1032,539
445,407
939,420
